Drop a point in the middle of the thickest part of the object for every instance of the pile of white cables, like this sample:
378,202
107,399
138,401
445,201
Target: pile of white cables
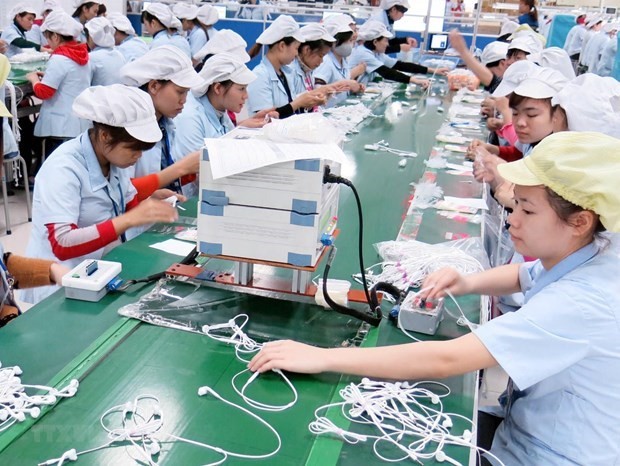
346,117
16,403
408,420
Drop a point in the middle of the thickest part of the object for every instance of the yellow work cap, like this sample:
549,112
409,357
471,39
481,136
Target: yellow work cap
582,167
5,68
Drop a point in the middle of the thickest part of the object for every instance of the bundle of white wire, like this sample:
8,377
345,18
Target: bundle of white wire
346,117
16,403
409,417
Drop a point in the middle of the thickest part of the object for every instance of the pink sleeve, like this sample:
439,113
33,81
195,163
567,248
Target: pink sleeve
508,133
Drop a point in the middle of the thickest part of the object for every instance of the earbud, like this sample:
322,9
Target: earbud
153,448
440,456
447,423
467,435
434,399
202,391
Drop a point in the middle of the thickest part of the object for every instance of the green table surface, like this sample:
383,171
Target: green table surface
117,359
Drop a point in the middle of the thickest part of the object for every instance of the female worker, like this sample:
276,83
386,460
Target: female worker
84,12
561,408
372,52
275,81
83,200
159,22
105,60
196,35
22,20
130,46
392,11
224,40
528,14
335,66
66,75
207,17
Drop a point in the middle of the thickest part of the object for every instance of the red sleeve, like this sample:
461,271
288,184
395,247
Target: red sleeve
69,241
510,153
145,185
43,91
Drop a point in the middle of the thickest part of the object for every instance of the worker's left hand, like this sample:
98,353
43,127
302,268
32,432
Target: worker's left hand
411,42
289,356
165,193
35,76
260,119
190,164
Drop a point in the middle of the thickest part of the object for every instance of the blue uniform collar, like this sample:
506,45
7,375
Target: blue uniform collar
273,76
95,175
220,125
562,268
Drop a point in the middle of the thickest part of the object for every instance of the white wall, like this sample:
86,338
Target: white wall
6,5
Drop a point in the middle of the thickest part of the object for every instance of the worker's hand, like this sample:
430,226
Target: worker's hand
260,119
359,69
446,279
424,83
4,46
190,164
485,168
310,99
289,356
494,124
35,76
457,42
151,210
404,48
46,49
411,42
439,71
57,271
165,193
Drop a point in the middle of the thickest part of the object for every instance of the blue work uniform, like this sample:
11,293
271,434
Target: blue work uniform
608,57
331,71
197,38
302,81
526,18
132,47
382,17
105,65
197,121
163,38
267,91
9,34
56,117
574,40
35,35
562,353
70,188
257,13
591,53
82,37
373,61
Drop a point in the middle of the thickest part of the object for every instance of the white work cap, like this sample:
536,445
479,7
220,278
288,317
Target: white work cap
508,27
122,23
387,4
101,31
122,107
61,23
162,13
283,26
185,11
223,67
543,83
79,3
513,76
20,8
161,63
591,103
315,31
207,15
372,30
335,24
595,19
49,5
608,27
495,51
224,40
556,58
526,43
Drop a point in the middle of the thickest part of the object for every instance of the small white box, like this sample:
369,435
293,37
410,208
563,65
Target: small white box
80,284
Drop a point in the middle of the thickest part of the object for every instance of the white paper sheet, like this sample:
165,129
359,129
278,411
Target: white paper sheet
174,246
231,156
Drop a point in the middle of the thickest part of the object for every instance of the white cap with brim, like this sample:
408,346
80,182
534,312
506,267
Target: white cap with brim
184,11
61,23
20,8
544,83
162,13
387,4
5,69
283,26
49,5
315,31
513,76
582,167
591,103
508,27
526,43
224,67
224,40
207,15
339,23
493,52
161,63
101,31
556,58
122,23
372,30
122,107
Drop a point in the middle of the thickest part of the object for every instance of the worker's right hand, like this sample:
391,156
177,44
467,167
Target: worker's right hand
446,279
152,211
310,99
423,83
457,42
190,164
289,356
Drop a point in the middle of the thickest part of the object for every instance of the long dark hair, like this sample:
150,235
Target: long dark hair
533,10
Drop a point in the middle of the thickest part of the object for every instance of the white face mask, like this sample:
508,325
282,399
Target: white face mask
344,50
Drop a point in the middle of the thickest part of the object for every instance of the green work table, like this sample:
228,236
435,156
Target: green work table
117,359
